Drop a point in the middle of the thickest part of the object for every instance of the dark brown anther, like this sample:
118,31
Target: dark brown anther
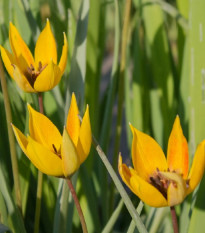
187,183
57,152
54,148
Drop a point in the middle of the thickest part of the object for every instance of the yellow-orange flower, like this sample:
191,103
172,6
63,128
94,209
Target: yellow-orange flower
159,181
52,153
41,72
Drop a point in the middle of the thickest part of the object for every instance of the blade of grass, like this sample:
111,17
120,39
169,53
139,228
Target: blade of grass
14,162
197,101
125,36
132,226
105,130
135,216
110,224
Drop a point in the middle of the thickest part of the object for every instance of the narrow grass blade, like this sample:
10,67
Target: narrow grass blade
110,224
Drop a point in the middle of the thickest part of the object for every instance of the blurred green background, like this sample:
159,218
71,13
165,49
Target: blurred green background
164,76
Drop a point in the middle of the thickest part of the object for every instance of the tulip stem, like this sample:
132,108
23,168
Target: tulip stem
12,145
77,204
40,180
174,219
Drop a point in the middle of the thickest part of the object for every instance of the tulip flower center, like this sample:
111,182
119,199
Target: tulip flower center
162,182
32,73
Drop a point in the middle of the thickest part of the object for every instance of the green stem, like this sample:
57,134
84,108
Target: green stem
135,216
77,204
40,180
12,146
174,219
38,202
125,32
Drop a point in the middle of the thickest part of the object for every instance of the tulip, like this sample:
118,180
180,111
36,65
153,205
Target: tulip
52,153
159,181
41,72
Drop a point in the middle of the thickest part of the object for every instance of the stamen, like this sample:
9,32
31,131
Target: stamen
187,183
54,148
57,152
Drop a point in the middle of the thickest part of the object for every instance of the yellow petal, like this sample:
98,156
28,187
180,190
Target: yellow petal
70,160
19,48
197,169
8,60
177,152
73,122
45,50
63,59
45,160
146,192
23,143
21,80
147,155
124,172
176,191
43,130
21,138
85,137
48,78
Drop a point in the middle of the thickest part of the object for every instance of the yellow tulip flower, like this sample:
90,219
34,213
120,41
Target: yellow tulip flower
52,153
159,181
41,72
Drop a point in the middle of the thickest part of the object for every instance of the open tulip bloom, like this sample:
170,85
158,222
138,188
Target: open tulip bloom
52,153
159,181
41,72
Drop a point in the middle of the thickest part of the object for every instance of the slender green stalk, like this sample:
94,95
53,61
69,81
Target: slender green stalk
12,146
110,224
174,219
77,204
38,202
40,180
125,32
104,138
132,226
135,216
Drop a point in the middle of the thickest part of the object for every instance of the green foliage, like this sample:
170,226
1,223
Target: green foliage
164,76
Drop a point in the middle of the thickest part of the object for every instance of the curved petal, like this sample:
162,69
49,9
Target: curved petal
177,152
8,60
147,155
176,191
21,80
19,47
73,122
85,137
197,168
45,160
64,55
48,78
124,172
45,49
21,138
70,160
43,130
146,192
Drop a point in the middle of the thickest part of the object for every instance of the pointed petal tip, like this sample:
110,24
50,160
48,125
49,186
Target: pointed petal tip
131,127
